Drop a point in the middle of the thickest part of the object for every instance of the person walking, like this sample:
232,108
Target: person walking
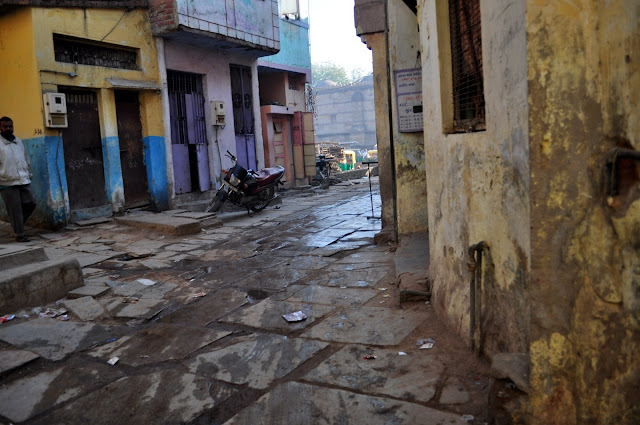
15,179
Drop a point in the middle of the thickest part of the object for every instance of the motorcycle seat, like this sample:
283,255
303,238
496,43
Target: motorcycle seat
268,175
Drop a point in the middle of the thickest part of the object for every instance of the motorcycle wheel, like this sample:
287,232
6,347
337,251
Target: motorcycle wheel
259,207
215,203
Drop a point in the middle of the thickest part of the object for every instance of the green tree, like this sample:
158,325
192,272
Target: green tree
329,71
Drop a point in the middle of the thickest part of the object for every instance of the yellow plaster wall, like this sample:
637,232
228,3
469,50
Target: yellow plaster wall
478,183
114,26
19,81
411,185
584,97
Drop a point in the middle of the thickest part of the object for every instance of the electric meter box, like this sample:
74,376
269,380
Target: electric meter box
219,112
55,110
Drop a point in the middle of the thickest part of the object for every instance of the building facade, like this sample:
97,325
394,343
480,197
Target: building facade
208,54
530,147
346,113
284,78
103,60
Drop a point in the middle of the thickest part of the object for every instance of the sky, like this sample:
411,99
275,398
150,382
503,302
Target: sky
333,35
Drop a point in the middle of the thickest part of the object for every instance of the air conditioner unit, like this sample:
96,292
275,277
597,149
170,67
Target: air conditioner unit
55,110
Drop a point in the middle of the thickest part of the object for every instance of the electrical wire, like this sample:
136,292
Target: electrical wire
114,27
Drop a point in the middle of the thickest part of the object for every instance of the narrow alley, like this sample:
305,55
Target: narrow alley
190,329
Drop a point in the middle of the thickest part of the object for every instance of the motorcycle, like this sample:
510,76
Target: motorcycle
247,188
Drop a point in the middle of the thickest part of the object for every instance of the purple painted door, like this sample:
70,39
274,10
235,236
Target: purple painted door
243,116
188,132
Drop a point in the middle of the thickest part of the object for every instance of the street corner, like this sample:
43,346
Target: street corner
267,315
255,360
303,404
376,371
161,343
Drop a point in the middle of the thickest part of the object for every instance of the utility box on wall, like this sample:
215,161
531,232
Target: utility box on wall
55,110
219,113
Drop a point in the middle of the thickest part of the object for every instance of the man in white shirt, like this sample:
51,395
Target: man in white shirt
15,179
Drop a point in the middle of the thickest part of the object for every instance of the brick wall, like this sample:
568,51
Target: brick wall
163,15
77,3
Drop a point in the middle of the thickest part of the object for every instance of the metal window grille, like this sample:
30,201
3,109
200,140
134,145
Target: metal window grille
466,60
72,50
293,82
186,106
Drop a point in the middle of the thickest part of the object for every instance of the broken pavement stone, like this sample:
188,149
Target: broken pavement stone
390,374
54,339
20,402
168,396
157,344
86,308
88,291
256,360
332,406
11,359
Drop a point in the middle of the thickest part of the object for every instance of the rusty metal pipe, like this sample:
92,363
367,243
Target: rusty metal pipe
475,301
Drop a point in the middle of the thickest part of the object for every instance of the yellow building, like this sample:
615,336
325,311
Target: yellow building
103,63
531,142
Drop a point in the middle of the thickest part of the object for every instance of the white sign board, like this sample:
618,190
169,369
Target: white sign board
409,99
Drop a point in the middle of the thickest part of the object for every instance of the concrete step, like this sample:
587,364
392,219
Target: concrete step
18,255
38,283
162,223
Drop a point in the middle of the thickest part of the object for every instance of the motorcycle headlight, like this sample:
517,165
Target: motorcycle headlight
234,180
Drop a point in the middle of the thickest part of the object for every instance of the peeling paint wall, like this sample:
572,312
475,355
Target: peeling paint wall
584,97
478,183
411,186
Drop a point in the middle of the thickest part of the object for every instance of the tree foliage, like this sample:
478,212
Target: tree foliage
336,73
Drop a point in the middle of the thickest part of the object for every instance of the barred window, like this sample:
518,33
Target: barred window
466,61
293,82
86,52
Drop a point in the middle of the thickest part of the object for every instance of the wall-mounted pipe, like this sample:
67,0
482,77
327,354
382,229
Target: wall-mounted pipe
475,294
612,170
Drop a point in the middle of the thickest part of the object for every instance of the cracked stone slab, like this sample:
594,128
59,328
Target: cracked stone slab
54,339
144,308
302,404
88,291
183,247
367,325
355,278
275,278
11,359
317,294
86,308
137,289
256,360
389,374
267,314
157,344
166,397
207,309
26,397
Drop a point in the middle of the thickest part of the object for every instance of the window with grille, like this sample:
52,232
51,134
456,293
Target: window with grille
466,61
84,52
293,82
186,108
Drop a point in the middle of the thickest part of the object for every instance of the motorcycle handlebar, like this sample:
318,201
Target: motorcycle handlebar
230,155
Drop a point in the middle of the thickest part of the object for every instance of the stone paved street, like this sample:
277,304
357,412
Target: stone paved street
175,329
